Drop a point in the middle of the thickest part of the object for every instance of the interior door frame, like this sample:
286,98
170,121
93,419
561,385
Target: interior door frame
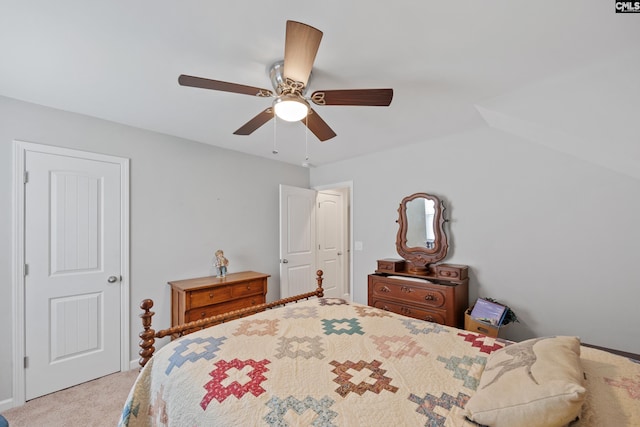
349,185
20,149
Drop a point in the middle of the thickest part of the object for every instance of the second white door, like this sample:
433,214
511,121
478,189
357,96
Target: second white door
331,242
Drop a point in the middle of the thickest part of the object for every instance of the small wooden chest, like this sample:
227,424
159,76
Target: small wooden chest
452,271
391,265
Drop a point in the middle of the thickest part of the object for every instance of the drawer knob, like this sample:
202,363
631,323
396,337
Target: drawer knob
406,289
210,294
405,310
385,308
385,289
203,314
429,319
429,297
248,288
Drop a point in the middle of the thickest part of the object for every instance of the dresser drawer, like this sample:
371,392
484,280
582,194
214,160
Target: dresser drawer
214,310
407,310
421,294
254,287
439,301
209,296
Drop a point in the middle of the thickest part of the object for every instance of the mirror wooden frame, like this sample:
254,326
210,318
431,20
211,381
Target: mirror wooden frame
419,258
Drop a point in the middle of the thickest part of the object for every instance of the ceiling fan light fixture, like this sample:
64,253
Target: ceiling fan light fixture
290,87
291,108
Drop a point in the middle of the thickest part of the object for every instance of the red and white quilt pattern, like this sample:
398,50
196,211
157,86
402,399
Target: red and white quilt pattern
326,362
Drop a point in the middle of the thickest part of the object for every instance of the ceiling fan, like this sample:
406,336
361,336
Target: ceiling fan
289,79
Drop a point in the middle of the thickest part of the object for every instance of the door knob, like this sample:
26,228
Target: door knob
112,279
285,261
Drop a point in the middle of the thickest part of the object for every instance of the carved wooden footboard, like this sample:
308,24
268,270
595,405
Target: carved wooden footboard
148,335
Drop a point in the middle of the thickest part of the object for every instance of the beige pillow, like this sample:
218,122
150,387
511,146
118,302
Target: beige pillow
538,382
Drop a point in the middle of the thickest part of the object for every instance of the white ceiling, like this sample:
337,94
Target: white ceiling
565,68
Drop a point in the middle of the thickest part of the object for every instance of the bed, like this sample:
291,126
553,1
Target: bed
329,362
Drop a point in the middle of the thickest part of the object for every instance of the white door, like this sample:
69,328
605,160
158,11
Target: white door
72,284
297,240
331,242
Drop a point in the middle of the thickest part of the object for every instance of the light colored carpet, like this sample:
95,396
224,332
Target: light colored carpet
96,403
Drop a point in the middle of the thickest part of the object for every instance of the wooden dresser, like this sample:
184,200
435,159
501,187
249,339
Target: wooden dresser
439,295
194,299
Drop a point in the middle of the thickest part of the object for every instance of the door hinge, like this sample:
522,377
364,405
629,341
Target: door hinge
26,269
26,362
26,177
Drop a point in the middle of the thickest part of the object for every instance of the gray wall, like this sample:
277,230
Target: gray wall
187,200
554,237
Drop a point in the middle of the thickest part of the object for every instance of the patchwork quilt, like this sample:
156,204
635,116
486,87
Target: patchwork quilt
327,362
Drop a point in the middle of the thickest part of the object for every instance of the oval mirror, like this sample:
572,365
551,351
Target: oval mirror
421,238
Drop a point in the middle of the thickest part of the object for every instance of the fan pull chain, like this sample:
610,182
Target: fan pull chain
275,136
306,140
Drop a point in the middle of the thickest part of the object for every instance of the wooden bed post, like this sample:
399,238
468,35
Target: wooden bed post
147,336
319,291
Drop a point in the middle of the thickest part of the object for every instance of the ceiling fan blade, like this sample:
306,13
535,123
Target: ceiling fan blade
372,97
253,124
203,83
301,45
318,126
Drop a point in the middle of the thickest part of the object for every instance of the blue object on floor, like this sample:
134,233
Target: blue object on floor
3,422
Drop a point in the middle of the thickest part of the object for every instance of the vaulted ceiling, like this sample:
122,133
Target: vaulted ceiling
560,73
